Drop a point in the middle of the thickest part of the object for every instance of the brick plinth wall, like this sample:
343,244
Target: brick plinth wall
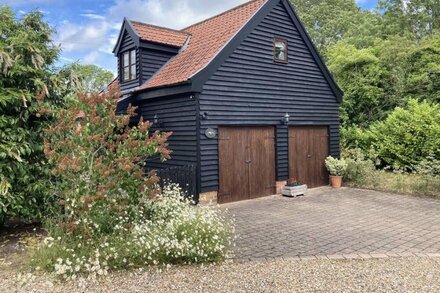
208,198
280,185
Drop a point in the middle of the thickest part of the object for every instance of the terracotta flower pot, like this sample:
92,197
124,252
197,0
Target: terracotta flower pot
336,181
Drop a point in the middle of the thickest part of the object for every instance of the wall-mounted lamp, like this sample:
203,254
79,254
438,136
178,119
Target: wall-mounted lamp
204,115
156,121
286,119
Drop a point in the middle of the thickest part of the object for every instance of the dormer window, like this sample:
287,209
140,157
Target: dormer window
128,65
280,50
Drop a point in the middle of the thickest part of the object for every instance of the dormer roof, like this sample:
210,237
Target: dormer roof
160,35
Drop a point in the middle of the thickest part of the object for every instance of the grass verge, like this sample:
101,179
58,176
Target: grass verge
406,183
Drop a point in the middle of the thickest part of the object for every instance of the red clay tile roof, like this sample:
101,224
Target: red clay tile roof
161,35
207,39
113,84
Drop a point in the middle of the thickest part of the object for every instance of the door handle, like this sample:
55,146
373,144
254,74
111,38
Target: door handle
309,156
248,161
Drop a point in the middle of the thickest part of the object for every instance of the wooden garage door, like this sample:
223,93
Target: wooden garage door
246,163
308,149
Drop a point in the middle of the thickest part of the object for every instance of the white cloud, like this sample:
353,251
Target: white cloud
69,60
91,58
169,13
74,37
93,16
96,38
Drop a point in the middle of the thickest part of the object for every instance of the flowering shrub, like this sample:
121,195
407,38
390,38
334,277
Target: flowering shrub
336,167
173,232
112,215
360,169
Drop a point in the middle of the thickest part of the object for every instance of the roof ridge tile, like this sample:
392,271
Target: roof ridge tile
158,27
220,14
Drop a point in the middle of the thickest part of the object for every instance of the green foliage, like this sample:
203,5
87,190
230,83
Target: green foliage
429,166
360,171
423,70
336,167
29,93
91,78
361,76
417,18
112,215
405,139
408,135
353,137
379,78
327,21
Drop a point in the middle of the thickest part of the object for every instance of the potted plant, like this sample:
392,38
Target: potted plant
293,188
336,168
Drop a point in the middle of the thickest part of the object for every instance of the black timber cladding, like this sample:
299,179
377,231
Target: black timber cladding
249,88
127,43
151,61
178,115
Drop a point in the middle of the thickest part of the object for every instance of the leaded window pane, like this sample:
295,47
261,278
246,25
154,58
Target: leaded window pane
133,71
126,73
126,61
132,57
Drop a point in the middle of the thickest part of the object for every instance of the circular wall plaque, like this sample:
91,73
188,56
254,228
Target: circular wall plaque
210,133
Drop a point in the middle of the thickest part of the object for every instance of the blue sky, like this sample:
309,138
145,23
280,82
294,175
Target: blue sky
87,29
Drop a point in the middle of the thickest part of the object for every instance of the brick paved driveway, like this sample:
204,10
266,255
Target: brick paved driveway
348,223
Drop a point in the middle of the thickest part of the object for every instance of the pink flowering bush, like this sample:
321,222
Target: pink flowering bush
112,215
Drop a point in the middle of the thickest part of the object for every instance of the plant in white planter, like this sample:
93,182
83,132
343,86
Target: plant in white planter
336,168
294,188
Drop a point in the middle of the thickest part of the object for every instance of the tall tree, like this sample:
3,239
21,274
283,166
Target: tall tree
416,17
329,21
381,77
91,78
29,92
361,76
423,70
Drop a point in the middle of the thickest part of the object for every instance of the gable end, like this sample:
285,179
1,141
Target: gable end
199,79
313,50
126,29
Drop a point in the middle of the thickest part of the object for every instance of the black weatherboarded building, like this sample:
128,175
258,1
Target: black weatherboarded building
245,93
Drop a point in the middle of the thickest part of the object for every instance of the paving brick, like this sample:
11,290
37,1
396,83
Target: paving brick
337,223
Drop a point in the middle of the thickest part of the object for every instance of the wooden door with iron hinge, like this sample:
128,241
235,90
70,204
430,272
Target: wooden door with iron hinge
308,149
246,163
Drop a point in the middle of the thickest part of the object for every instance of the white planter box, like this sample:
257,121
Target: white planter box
294,190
